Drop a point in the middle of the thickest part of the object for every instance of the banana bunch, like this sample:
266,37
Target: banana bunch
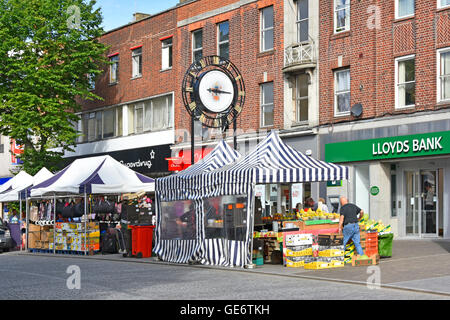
370,224
316,215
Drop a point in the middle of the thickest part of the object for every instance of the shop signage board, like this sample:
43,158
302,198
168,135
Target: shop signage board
427,144
374,190
337,183
143,160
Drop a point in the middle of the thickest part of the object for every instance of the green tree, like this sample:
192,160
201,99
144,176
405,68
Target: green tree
48,51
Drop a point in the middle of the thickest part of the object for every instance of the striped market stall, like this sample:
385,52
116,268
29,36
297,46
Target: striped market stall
223,201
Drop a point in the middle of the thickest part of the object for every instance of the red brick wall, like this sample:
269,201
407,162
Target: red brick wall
371,53
153,82
244,53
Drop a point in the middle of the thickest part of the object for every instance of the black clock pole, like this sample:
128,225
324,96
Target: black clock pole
192,140
234,134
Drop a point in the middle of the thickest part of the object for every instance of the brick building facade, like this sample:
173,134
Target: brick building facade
393,58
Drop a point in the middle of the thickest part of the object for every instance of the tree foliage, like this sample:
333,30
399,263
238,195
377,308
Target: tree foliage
48,49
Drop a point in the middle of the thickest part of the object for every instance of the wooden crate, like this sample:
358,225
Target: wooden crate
373,260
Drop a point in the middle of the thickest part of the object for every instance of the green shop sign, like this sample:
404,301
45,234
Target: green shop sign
427,144
374,190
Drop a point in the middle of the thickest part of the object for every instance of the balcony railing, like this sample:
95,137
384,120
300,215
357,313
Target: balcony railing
299,55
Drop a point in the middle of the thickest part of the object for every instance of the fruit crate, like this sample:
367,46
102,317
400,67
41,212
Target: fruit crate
337,264
373,260
294,264
331,253
316,265
300,253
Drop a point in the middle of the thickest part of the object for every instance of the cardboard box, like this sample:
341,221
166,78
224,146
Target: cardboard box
330,239
300,239
373,260
298,253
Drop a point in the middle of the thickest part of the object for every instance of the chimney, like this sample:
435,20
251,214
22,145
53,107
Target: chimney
139,16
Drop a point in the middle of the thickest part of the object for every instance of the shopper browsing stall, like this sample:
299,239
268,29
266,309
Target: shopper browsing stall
348,223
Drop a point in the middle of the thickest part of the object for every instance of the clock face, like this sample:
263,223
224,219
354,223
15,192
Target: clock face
213,92
216,91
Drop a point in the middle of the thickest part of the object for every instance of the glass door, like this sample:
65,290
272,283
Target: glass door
429,201
422,202
412,203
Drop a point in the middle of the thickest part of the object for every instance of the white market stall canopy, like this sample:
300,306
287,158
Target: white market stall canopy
22,191
18,182
95,175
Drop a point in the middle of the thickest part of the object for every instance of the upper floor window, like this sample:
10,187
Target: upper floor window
223,39
102,124
267,104
150,115
166,54
136,56
197,45
404,8
405,86
301,98
443,3
341,15
114,69
302,20
267,29
444,74
342,92
91,81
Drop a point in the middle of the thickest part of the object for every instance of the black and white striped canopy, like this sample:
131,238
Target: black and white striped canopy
182,185
273,161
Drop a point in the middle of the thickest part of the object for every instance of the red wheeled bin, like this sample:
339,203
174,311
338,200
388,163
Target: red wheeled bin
142,238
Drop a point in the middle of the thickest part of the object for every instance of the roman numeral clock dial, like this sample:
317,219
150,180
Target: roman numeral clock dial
213,92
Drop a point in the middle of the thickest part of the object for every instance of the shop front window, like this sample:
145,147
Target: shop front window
178,220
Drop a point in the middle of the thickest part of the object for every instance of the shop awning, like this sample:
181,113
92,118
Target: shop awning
95,175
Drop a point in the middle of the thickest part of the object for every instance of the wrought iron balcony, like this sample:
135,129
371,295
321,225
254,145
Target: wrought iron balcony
299,56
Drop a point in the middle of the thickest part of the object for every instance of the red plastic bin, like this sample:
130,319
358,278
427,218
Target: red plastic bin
141,243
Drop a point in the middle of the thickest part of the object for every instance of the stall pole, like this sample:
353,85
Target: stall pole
85,219
54,224
27,219
20,216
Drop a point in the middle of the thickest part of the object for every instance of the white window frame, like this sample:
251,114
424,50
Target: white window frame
397,61
440,6
116,62
439,76
165,50
404,17
225,41
336,112
262,104
139,63
298,21
298,98
347,27
263,31
194,50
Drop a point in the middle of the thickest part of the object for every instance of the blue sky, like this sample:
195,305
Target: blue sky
117,13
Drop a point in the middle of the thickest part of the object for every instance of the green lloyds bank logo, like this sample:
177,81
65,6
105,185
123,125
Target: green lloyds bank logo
425,144
398,147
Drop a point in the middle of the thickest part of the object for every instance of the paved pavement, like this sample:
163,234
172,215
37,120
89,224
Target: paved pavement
416,265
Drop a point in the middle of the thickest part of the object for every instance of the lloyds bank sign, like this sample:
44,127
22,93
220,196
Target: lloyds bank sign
418,145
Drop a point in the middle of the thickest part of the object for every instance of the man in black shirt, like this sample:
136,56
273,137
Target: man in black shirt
348,223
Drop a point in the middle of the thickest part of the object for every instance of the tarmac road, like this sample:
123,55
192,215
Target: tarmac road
26,277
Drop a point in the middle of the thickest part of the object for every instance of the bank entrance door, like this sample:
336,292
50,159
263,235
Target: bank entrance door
422,202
